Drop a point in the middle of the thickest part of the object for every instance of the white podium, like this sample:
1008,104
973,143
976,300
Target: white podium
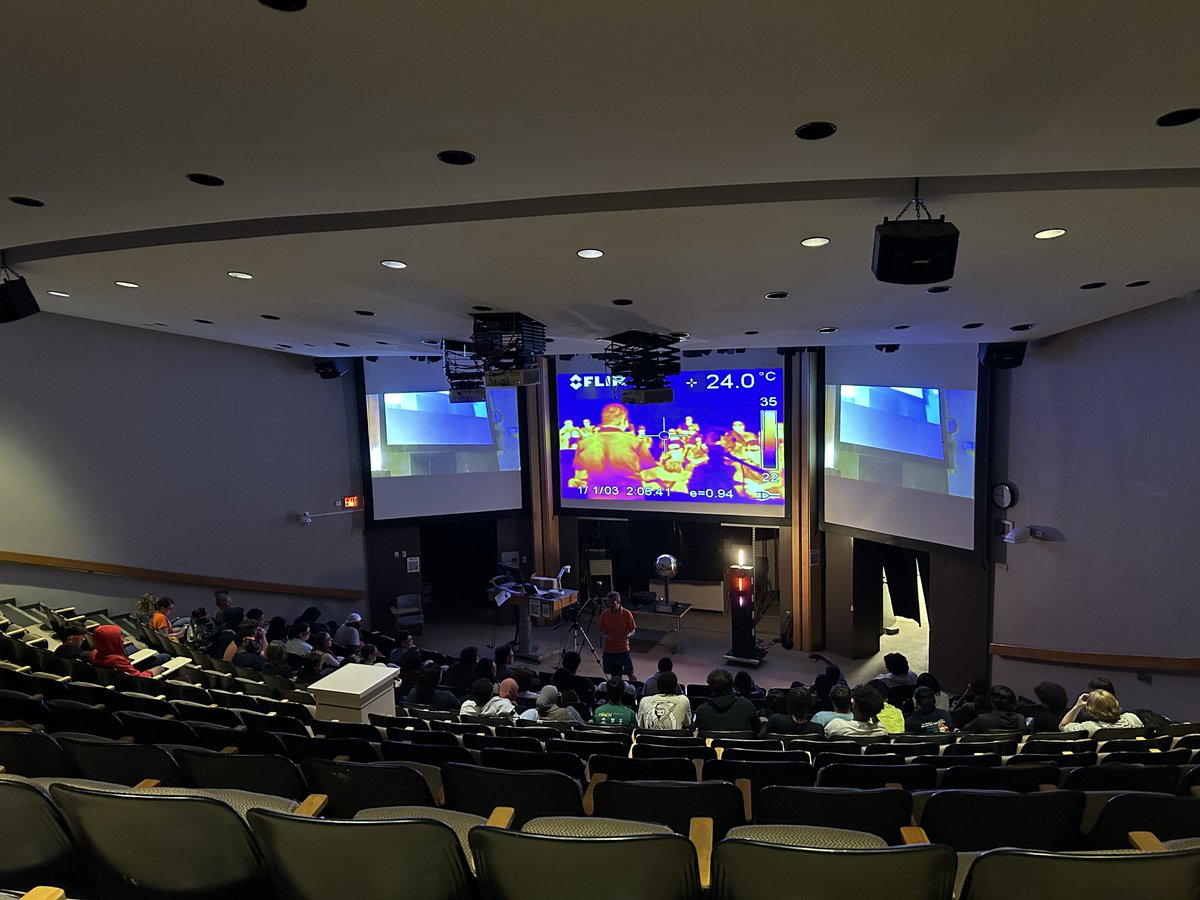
354,690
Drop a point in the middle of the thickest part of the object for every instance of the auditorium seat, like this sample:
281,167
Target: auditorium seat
971,821
303,856
801,756
120,763
1024,778
479,741
479,790
821,760
760,774
672,803
71,715
33,754
685,751
523,761
264,774
646,866
745,868
914,777
201,712
35,846
882,811
259,721
352,786
586,749
1163,876
622,768
1162,779
360,730
353,749
1180,756
1169,818
147,729
407,751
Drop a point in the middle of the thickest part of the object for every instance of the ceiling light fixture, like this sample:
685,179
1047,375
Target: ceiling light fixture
814,242
1092,285
622,301
456,157
777,295
285,5
430,341
63,294
589,253
970,325
205,180
1142,283
750,332
901,327
241,276
363,312
815,131
827,329
1177,117
27,201
340,344
126,284
1024,326
393,264
482,308
203,321
1048,234
269,317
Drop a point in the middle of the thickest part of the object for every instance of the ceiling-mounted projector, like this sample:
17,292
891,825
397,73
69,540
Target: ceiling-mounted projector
643,359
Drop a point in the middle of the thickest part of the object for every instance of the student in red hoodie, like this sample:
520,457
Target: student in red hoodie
109,652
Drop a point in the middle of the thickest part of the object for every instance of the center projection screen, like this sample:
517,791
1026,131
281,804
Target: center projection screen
716,449
900,451
430,457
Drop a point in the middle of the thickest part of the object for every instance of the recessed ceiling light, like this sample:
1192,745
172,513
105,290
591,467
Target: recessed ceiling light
58,293
430,341
382,343
622,301
205,180
1092,285
269,317
750,332
549,340
814,242
601,340
340,344
815,131
777,295
827,329
203,321
1047,234
482,308
27,201
285,5
363,312
284,346
393,264
161,324
973,325
680,335
901,327
1131,284
589,253
1024,326
456,157
310,345
938,289
241,276
1178,117
125,284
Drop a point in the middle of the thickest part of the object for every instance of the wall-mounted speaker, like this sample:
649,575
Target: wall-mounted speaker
1006,355
331,368
16,300
915,251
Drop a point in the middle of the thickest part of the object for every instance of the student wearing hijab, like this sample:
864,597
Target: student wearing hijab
549,710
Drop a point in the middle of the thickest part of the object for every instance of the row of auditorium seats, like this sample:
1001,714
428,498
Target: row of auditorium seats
261,846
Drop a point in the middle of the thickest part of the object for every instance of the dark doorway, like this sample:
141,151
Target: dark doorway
458,560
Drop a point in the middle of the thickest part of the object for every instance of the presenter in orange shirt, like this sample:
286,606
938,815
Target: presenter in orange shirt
617,626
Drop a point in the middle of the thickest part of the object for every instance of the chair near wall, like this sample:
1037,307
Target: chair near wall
408,613
303,855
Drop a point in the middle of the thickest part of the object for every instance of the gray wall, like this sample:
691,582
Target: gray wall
1099,431
152,450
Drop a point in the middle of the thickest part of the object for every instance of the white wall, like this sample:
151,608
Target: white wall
1103,442
137,448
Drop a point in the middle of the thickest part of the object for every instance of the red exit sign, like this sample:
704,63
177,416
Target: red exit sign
351,501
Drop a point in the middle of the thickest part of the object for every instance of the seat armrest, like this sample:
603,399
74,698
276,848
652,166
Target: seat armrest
312,805
44,893
913,834
700,833
743,785
1147,841
588,801
502,817
147,783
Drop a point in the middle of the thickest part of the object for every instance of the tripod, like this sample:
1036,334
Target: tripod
575,632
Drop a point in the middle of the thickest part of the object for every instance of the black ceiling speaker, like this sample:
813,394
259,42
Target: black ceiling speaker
915,251
330,368
1007,355
16,300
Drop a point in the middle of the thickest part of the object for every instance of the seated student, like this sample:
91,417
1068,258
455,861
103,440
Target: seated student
249,656
161,620
404,643
1104,710
651,686
73,643
865,704
277,629
898,672
200,630
299,637
322,645
890,716
109,652
548,708
940,700
502,656
744,686
275,661
839,699
254,625
724,710
614,712
926,717
504,703
310,617
566,678
970,703
481,693
486,668
370,655
796,721
461,675
1099,683
428,691
1002,716
1052,706
410,666
526,680
348,635
666,710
